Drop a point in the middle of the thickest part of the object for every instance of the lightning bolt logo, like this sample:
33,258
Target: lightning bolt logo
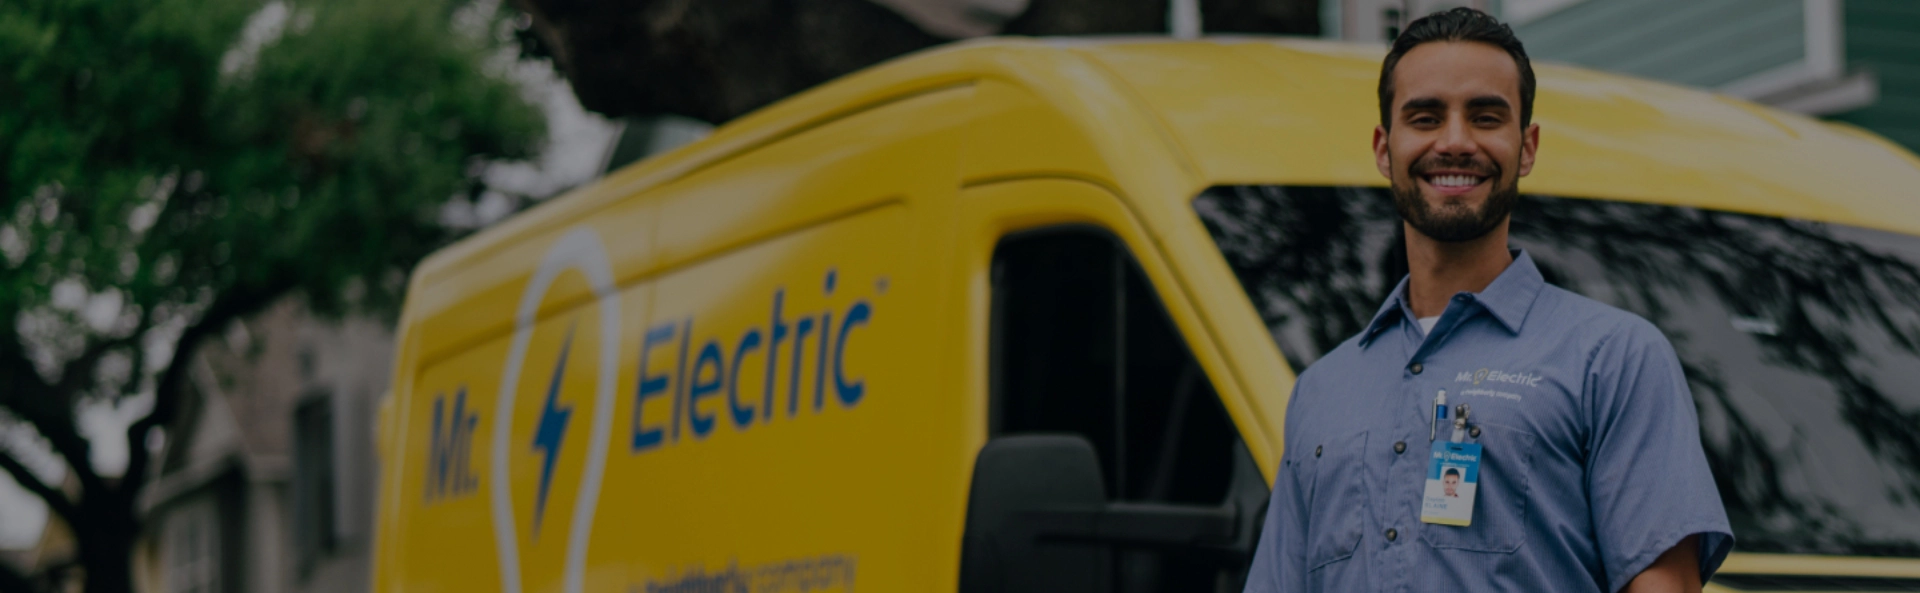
552,428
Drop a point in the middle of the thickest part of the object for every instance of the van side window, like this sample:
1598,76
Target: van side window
1082,344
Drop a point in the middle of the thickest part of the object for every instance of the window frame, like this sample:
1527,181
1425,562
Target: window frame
991,211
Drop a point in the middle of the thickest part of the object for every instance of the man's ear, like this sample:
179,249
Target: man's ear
1529,143
1384,160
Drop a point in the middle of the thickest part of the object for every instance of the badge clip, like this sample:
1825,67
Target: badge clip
1460,414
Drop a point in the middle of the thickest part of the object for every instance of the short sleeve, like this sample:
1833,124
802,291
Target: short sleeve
1280,556
1647,473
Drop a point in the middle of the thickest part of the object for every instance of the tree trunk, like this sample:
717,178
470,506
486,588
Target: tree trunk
109,569
12,581
106,538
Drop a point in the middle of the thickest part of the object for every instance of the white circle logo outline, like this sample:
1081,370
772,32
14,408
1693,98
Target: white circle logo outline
581,250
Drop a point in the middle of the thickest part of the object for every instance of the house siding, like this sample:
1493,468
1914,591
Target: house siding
1705,43
1883,37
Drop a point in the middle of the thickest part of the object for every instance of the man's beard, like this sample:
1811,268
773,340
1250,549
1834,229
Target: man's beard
1454,224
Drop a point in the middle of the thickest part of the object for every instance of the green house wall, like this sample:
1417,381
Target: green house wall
1703,43
1883,37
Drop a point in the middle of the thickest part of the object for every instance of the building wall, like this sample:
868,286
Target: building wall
348,365
1883,37
288,532
196,540
1703,43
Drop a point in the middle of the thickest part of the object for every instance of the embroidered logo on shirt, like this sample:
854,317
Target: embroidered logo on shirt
1476,377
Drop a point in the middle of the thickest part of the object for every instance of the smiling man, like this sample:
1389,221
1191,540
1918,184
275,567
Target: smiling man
1588,476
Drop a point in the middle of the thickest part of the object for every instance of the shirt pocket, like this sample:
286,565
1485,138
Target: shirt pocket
1337,507
1500,500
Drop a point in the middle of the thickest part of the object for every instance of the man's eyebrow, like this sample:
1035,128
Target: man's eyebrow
1423,104
1489,101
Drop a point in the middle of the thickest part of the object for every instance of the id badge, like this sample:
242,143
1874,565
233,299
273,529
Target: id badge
1453,476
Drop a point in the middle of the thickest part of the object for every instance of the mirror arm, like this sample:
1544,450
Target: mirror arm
1146,525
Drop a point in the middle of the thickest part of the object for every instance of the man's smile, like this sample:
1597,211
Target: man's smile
1452,182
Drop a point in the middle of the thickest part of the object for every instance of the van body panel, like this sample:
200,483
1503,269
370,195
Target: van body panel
689,425
1015,134
825,242
904,150
1822,565
448,322
718,207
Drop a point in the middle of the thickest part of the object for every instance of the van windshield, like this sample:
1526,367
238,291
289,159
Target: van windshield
1800,340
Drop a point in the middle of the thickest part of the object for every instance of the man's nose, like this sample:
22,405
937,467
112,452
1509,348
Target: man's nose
1456,138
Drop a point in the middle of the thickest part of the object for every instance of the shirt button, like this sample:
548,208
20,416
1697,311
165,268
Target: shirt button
1316,451
1400,447
1416,368
1392,534
1474,432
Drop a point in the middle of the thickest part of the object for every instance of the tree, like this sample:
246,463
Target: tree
170,166
717,60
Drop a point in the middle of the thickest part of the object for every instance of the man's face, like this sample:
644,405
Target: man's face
1451,481
1455,150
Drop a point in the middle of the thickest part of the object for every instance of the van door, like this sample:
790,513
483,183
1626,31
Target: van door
1111,463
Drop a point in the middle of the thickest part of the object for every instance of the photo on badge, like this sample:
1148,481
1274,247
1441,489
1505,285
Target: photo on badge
1453,477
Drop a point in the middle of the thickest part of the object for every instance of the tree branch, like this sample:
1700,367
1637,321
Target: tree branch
17,373
32,399
172,384
78,373
55,499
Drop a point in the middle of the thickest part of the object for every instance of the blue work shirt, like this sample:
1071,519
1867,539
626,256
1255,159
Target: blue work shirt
1591,464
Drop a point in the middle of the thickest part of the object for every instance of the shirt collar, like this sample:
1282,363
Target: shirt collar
1508,298
1388,313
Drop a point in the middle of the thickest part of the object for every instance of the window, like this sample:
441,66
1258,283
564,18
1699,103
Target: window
1081,344
1800,339
312,482
191,551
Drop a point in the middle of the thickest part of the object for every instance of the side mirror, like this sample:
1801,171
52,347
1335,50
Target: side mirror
1038,520
1020,474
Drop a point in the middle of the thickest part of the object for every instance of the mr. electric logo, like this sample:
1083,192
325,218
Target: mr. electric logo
1486,375
695,380
552,428
579,251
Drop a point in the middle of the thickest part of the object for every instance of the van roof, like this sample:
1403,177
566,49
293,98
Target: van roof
1302,111
1267,110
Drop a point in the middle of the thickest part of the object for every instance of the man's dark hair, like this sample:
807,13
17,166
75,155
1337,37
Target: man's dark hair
1459,24
1452,471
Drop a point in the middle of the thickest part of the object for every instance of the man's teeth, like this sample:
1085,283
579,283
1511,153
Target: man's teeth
1454,180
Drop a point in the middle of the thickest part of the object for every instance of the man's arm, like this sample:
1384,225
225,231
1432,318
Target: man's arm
1677,570
1278,556
1656,510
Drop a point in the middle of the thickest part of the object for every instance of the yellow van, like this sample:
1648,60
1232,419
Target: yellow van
1022,315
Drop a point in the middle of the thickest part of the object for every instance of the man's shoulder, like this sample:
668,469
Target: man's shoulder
1564,312
1344,357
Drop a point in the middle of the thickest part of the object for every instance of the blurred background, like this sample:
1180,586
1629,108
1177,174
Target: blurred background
208,208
